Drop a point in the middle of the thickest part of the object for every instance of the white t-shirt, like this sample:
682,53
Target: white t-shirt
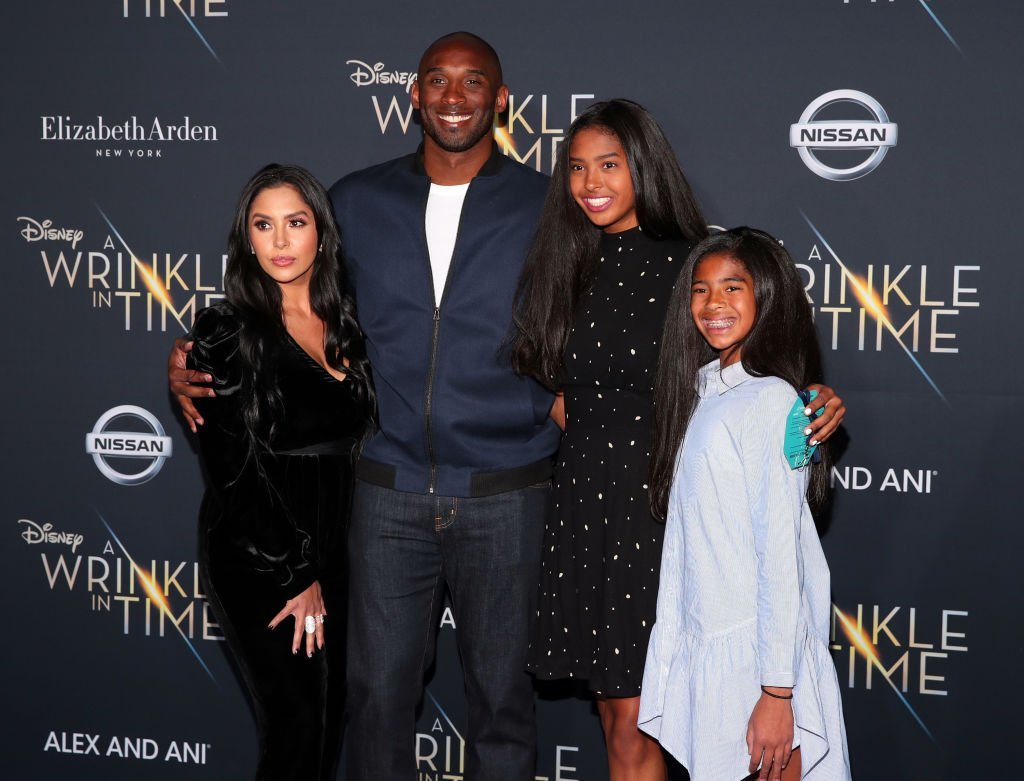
444,207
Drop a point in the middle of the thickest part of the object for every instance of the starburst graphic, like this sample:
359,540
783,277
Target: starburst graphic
940,25
446,717
504,139
149,276
858,639
869,300
153,591
192,24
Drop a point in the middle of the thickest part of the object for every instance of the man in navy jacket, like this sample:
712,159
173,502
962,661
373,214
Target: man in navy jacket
452,490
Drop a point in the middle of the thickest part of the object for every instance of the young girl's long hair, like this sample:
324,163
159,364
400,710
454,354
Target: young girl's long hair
782,343
563,259
256,299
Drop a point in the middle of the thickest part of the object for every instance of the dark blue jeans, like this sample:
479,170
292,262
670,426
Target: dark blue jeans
405,549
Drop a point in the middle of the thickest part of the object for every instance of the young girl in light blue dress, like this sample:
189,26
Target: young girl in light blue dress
738,678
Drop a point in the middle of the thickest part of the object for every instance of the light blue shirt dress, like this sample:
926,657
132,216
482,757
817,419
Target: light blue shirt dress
744,597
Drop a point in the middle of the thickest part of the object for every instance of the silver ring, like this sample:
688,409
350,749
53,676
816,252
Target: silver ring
320,618
310,625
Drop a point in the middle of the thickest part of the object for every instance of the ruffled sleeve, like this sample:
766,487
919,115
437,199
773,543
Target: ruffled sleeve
215,350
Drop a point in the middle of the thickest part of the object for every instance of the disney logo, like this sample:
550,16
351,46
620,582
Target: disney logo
366,75
34,533
36,231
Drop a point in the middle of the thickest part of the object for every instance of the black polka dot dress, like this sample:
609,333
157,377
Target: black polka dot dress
602,547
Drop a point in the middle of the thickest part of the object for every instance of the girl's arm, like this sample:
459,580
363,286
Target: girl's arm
770,733
775,495
558,410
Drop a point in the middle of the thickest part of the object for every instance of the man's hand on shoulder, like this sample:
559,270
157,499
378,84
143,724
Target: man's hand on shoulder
187,384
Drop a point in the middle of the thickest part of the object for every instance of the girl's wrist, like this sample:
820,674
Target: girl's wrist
778,692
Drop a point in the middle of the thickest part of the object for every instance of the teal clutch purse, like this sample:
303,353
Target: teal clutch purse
799,452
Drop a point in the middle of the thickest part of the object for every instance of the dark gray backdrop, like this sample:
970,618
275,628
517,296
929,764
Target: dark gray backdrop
924,538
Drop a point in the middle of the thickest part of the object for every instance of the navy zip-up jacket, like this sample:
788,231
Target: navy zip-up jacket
454,418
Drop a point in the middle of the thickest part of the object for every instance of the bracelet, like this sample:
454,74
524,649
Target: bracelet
776,696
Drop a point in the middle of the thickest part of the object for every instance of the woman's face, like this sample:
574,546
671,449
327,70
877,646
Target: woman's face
722,304
600,182
282,233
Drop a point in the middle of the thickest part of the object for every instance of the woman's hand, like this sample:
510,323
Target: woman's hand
558,410
821,428
770,734
309,603
183,382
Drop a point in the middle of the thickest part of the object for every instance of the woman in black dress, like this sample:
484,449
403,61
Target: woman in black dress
618,223
286,359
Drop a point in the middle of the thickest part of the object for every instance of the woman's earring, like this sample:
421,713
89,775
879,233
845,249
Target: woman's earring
252,250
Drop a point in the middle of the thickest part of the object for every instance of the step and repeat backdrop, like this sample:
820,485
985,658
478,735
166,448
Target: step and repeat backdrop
879,139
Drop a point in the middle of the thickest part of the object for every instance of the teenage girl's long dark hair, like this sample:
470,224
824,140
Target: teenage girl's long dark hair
256,299
561,263
782,343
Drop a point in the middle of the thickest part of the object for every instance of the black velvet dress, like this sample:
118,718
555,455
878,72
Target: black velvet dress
273,520
602,546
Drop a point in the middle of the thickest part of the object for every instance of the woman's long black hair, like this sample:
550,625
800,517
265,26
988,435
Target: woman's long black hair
561,263
782,343
256,299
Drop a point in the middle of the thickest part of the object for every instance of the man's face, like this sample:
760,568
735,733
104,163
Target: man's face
457,92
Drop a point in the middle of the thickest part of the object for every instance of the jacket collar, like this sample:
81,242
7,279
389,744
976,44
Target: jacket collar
490,168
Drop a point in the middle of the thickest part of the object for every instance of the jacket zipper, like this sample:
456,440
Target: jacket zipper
430,397
428,401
